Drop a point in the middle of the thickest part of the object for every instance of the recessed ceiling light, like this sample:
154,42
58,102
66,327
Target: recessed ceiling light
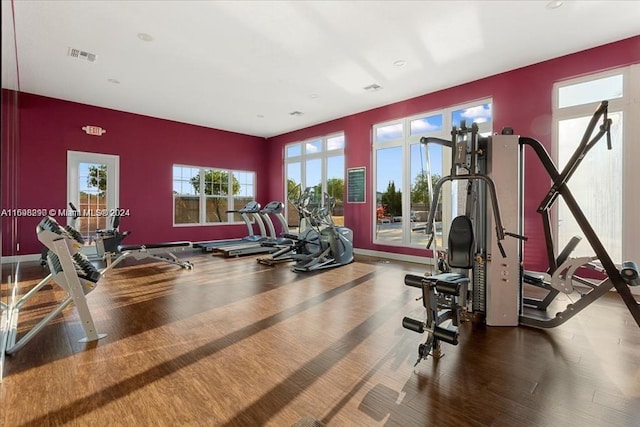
114,81
145,37
373,87
296,113
400,63
313,95
554,4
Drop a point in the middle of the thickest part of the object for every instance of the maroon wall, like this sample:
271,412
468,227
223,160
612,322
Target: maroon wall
147,147
521,99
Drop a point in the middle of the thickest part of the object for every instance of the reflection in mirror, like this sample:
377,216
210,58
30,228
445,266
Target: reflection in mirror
8,189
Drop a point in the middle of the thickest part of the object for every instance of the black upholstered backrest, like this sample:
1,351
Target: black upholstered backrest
116,222
461,243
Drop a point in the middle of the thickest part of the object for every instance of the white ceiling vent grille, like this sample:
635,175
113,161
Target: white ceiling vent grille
82,55
373,88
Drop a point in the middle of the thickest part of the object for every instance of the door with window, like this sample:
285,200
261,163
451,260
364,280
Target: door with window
92,187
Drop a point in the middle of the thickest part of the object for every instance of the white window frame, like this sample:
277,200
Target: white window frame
629,104
323,155
405,143
203,197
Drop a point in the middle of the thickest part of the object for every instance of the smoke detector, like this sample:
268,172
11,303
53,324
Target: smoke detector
82,55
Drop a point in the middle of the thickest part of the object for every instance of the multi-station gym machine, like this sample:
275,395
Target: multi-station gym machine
485,277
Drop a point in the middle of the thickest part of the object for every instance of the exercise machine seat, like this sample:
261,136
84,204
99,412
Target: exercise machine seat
461,243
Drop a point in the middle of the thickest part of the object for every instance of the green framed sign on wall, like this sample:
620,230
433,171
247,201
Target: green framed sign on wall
356,185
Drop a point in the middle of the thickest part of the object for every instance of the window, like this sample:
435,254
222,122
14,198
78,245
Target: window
608,197
406,170
318,163
204,195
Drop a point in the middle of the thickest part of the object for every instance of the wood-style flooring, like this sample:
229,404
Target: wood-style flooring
235,343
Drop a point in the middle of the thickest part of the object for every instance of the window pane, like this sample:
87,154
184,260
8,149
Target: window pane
420,194
312,147
388,133
215,208
476,114
335,187
313,179
186,188
294,150
216,182
335,143
92,185
294,181
389,194
426,125
186,180
243,191
243,185
591,91
600,196
187,209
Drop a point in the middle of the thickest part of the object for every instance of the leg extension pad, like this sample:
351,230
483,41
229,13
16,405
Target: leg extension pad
630,273
447,335
413,325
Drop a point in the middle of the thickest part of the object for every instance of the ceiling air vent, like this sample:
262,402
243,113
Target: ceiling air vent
82,55
373,88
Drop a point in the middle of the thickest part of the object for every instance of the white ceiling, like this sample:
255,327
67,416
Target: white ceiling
244,66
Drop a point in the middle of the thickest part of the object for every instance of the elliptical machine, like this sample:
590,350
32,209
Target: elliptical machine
303,243
326,245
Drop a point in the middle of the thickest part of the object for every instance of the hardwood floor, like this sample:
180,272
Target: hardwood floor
235,343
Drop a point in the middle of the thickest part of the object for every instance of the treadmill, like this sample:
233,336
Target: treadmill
252,208
275,209
263,245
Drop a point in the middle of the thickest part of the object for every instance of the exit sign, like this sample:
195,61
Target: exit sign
94,130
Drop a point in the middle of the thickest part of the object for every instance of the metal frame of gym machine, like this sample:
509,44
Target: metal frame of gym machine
561,276
497,292
68,268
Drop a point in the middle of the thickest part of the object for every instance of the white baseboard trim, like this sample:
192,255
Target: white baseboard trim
20,258
396,257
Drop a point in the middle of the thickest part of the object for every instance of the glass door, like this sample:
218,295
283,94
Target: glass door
92,187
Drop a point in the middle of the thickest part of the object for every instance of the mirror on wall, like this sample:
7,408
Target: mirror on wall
8,167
